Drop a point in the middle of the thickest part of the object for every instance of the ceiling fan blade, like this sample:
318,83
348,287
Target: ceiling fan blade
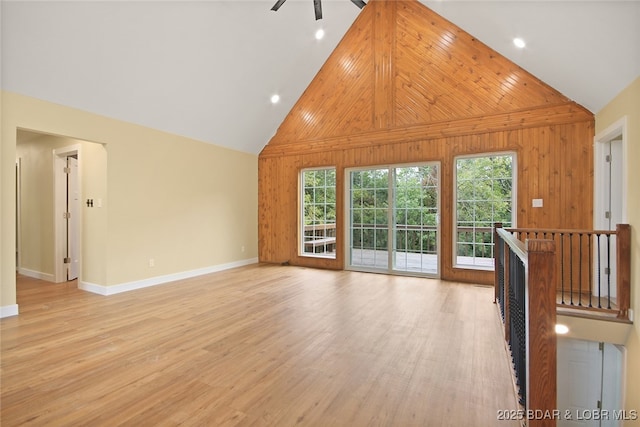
359,3
277,5
318,7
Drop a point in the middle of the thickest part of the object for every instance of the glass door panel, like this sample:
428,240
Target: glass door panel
369,213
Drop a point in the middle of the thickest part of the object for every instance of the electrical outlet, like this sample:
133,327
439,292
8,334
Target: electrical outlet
242,248
152,262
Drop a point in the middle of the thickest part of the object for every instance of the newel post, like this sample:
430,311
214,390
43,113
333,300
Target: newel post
541,342
502,266
623,264
496,260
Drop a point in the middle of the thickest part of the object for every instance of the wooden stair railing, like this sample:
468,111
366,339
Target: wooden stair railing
527,272
525,290
583,270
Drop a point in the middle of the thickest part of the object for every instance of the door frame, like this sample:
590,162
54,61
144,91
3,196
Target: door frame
18,213
60,193
615,130
73,222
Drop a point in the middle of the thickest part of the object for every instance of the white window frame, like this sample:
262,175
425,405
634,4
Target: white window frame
301,215
514,187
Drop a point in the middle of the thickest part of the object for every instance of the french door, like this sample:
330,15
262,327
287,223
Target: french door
393,219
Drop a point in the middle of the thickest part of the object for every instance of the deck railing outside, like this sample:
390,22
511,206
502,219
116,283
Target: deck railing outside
320,238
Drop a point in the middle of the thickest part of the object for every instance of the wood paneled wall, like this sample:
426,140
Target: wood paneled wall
405,85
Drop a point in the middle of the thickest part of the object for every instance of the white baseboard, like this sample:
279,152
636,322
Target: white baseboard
159,280
36,274
8,311
93,288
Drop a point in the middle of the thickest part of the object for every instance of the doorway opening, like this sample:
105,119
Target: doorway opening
48,211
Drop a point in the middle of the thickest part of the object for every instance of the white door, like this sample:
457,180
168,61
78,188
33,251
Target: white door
615,204
612,387
73,208
579,382
589,383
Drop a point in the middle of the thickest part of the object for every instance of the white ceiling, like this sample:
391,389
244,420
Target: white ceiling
206,69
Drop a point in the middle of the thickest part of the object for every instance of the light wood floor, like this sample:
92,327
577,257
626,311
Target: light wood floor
261,345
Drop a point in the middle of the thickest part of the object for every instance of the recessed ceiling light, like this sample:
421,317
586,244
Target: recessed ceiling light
561,329
275,99
519,42
320,34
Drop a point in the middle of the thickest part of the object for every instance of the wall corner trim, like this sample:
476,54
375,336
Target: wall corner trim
159,280
8,311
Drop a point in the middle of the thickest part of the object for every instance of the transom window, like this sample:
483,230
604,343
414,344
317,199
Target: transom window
484,194
318,212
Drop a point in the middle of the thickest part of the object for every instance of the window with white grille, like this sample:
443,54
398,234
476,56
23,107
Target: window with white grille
484,195
318,212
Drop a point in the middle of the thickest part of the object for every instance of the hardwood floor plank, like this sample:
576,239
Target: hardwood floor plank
261,345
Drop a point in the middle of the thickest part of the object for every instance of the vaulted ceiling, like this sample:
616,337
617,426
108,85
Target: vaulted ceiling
207,69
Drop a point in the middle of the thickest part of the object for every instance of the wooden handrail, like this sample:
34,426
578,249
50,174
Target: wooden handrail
314,227
516,245
559,230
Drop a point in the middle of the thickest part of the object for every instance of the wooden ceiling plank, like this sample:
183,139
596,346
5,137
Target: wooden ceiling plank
400,68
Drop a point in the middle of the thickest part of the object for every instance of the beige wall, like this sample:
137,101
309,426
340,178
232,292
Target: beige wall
186,204
627,103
